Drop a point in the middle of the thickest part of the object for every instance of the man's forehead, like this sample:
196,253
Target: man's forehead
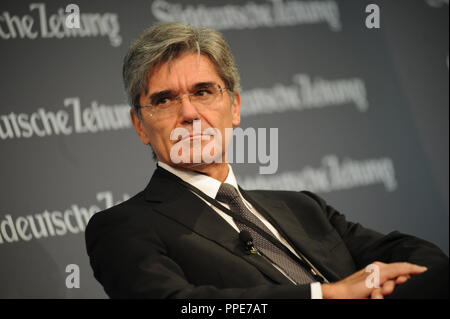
188,70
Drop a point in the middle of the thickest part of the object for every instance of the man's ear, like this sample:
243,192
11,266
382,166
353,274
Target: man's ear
139,127
236,109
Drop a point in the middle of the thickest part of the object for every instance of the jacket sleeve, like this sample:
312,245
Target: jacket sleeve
129,264
367,246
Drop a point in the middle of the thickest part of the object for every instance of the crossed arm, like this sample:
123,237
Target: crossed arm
399,258
359,285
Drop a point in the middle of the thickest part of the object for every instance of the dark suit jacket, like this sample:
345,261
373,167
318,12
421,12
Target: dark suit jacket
165,242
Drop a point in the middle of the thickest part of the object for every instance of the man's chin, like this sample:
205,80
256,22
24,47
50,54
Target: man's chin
192,164
196,164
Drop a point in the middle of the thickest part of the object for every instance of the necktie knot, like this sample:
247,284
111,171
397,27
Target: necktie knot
227,193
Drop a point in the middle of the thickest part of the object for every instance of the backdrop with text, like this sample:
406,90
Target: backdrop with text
350,96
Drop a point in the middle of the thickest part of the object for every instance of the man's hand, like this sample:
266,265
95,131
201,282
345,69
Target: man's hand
356,286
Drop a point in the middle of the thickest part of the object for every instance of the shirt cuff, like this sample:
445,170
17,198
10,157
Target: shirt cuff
316,291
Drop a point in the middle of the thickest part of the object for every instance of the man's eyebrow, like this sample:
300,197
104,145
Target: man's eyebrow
164,93
159,94
201,85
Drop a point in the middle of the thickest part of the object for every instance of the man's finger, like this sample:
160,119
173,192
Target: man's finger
376,294
388,287
395,270
401,279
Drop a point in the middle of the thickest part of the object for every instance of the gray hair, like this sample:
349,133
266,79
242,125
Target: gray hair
164,42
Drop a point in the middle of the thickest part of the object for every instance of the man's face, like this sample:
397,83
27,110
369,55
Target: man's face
179,77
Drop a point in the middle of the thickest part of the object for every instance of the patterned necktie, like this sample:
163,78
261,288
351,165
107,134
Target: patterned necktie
229,195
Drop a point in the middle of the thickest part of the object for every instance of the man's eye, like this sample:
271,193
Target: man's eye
161,101
202,92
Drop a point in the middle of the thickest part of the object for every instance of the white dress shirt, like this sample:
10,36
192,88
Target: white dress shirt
210,187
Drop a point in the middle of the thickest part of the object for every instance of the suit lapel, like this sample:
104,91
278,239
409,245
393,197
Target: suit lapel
182,206
284,220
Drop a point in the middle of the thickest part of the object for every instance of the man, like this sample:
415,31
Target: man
194,233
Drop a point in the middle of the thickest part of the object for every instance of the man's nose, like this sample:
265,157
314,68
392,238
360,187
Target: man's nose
188,111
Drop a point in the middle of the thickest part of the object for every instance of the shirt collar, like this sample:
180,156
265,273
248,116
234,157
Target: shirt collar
208,185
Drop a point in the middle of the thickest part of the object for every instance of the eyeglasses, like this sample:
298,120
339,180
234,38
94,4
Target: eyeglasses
166,103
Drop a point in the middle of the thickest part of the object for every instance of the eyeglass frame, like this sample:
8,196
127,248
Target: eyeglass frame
179,97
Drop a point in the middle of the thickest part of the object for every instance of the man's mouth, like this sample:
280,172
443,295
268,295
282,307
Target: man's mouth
194,136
